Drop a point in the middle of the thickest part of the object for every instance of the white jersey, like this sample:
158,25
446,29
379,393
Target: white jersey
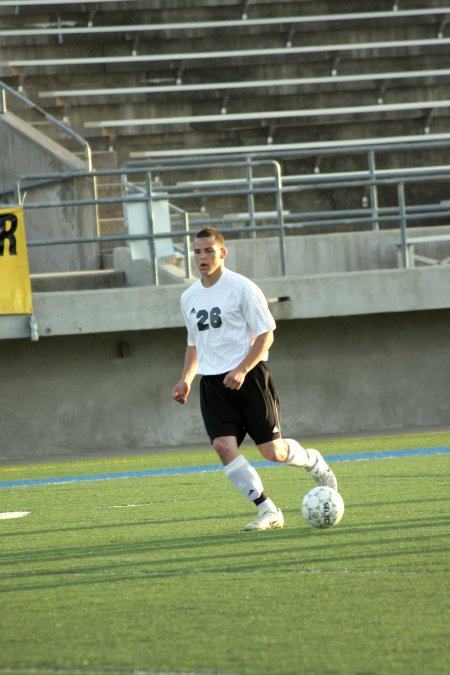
224,320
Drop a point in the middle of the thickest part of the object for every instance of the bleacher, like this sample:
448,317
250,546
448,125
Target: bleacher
145,80
134,79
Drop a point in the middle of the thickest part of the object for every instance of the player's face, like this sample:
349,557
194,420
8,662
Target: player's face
209,256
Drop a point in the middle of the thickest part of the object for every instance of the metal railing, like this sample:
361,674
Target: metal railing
370,153
153,191
249,187
6,91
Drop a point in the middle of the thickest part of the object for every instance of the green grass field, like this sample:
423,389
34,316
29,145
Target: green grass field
155,574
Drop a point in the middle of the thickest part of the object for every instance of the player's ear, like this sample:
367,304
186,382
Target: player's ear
223,252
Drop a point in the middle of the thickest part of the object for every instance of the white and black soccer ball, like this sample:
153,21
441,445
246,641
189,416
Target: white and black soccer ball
322,507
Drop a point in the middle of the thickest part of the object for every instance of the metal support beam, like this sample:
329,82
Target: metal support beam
442,26
271,132
427,125
334,68
225,99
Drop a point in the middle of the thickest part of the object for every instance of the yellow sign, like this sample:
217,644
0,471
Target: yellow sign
15,285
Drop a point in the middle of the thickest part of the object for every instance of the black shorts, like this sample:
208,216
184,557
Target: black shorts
253,409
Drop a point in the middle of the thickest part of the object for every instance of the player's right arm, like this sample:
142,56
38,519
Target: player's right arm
181,390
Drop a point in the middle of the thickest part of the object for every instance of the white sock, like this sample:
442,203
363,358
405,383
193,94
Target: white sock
297,455
244,477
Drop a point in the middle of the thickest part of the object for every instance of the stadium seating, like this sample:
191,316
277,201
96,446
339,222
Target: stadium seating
142,64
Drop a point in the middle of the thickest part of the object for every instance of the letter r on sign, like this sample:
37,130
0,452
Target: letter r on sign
8,233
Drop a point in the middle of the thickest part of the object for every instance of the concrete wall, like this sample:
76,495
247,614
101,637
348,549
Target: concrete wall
111,391
309,297
354,352
330,253
29,151
305,255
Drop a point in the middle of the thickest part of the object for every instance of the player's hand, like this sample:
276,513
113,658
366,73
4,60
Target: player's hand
180,392
234,379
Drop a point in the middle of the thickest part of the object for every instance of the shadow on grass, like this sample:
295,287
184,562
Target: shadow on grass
379,525
293,550
111,574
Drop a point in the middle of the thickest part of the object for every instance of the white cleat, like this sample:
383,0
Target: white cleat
266,520
320,470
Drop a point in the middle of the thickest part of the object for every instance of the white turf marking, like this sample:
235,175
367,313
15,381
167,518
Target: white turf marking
13,514
77,671
127,506
121,506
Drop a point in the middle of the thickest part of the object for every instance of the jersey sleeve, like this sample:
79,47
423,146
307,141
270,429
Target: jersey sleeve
190,336
256,310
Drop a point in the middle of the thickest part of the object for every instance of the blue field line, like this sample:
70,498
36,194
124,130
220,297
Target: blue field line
388,454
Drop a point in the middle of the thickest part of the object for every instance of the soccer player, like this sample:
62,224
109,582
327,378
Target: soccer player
229,333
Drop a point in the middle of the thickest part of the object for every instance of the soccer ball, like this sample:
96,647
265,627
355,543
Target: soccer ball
322,507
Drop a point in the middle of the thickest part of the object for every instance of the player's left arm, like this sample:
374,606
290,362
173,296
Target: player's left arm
235,378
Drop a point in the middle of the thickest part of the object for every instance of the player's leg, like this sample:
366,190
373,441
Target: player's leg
248,482
263,422
225,428
289,452
319,469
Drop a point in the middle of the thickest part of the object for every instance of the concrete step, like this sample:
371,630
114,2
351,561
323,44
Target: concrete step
110,214
77,281
112,225
112,211
104,159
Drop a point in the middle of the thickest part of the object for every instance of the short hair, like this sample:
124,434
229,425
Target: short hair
211,232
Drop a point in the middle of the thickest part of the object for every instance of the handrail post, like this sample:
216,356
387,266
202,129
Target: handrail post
402,217
151,240
250,195
280,217
187,247
3,105
373,191
90,163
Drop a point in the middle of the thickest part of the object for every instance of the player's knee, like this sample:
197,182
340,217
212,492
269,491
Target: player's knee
225,450
274,451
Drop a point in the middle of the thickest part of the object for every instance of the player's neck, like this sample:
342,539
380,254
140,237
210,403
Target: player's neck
209,280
